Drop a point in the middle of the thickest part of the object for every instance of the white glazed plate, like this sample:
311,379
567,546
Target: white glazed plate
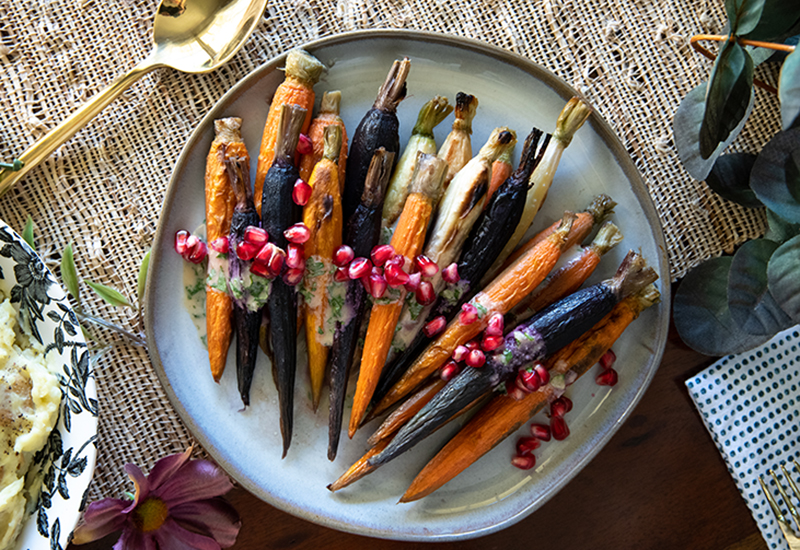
491,494
70,451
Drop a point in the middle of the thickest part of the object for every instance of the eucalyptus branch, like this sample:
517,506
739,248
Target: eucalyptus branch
133,338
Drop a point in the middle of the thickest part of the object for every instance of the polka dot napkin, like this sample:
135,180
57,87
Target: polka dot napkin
750,403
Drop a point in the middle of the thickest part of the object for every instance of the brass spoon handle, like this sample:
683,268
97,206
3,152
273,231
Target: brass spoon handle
77,120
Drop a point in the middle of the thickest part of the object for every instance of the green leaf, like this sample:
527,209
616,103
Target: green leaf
789,89
743,15
727,98
27,233
142,279
701,313
730,178
774,177
779,19
782,273
752,306
686,129
69,275
778,229
110,295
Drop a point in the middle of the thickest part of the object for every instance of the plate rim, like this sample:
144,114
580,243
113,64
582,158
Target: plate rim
560,87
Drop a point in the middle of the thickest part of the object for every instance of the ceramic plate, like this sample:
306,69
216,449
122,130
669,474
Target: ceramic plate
491,494
69,455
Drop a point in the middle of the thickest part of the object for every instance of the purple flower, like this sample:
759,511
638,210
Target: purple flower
178,506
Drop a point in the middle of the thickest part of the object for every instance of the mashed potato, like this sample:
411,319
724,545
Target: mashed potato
29,400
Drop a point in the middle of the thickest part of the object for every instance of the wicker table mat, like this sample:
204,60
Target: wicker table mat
104,189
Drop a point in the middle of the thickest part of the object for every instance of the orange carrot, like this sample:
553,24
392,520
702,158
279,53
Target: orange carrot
302,72
501,295
323,216
501,170
405,411
220,202
359,469
505,415
407,240
328,114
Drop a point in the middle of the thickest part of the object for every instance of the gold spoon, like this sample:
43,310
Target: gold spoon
193,36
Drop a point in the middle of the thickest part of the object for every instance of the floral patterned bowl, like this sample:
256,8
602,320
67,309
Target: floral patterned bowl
68,457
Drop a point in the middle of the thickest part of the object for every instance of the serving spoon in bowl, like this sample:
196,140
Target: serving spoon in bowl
192,36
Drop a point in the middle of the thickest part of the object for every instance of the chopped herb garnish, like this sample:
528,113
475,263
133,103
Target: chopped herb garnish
199,286
336,303
314,268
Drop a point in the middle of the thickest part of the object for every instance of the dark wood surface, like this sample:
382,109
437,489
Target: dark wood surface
659,483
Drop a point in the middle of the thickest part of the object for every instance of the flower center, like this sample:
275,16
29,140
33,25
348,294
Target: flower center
150,514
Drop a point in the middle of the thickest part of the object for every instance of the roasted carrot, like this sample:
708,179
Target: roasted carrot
503,415
406,411
219,210
501,169
303,70
278,213
328,114
407,240
457,147
323,216
359,469
569,277
500,296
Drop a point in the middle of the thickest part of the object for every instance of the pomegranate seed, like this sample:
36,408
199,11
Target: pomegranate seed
607,360
560,406
528,380
514,392
395,275
276,261
424,293
525,462
221,245
304,145
298,233
261,269
340,275
301,192
295,257
426,266
540,431
359,267
342,256
559,428
180,241
476,358
567,401
491,343
526,445
434,327
460,353
450,273
401,261
255,235
365,282
263,255
413,282
468,315
472,344
607,378
198,252
247,251
381,253
449,371
544,374
377,285
293,276
496,325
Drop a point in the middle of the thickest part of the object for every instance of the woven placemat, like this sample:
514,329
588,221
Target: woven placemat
104,189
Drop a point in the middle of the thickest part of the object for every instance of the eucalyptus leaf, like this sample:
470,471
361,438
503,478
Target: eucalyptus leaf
728,96
686,129
789,89
782,273
69,275
779,19
142,279
27,233
730,178
778,229
701,314
110,295
750,302
771,177
743,15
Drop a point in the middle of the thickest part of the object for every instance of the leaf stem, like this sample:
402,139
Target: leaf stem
134,338
742,42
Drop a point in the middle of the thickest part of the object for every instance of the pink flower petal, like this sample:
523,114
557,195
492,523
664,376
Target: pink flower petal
172,536
133,539
196,480
140,483
214,517
166,468
100,519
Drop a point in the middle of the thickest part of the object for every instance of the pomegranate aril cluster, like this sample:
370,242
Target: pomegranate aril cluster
608,376
190,247
557,429
473,353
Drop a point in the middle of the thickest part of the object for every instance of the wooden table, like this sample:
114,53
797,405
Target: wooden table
660,483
